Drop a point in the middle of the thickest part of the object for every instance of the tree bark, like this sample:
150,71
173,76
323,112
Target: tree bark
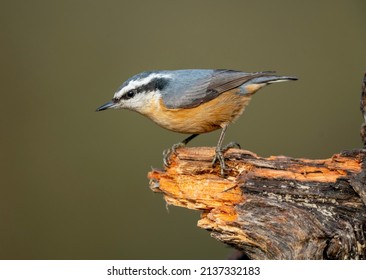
277,207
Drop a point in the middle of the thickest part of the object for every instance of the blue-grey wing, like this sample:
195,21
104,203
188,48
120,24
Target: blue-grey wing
190,88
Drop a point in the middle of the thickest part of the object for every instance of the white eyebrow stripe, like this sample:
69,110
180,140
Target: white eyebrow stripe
137,83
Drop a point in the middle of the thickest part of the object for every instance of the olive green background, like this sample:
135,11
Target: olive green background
73,181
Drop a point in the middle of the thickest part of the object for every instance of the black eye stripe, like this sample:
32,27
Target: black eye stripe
154,84
128,95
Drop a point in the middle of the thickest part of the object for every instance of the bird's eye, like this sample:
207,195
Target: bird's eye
130,93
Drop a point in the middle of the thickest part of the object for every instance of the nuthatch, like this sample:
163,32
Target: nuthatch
192,101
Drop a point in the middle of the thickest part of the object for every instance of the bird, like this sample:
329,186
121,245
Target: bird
192,101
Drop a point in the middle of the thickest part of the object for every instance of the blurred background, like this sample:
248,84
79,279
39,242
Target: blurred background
73,181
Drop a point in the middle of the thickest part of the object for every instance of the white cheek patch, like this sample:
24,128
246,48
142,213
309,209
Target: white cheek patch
138,83
143,101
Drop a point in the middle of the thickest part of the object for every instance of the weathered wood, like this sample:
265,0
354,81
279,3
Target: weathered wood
363,110
277,207
273,208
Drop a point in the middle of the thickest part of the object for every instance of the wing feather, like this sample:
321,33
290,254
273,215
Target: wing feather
190,89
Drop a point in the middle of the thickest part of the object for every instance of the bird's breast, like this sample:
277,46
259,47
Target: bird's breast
206,117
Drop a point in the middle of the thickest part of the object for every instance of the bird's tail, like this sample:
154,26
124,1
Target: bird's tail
262,79
269,77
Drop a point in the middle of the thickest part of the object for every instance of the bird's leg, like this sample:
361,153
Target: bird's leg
168,152
219,151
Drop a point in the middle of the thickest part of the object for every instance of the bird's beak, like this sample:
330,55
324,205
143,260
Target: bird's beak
105,106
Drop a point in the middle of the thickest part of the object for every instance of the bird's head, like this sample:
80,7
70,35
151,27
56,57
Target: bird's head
138,92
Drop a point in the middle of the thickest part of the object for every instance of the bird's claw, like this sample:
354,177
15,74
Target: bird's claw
231,145
219,156
169,152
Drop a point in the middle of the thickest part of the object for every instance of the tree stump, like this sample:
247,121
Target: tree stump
277,207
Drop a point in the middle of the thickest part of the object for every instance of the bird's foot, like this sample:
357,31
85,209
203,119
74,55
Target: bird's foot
219,156
169,152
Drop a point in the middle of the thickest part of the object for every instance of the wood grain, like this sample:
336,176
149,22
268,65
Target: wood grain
276,207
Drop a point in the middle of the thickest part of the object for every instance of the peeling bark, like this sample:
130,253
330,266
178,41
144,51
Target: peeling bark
273,208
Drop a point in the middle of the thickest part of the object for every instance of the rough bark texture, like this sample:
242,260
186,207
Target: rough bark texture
277,207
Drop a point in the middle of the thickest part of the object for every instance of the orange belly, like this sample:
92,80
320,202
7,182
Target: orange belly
206,117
